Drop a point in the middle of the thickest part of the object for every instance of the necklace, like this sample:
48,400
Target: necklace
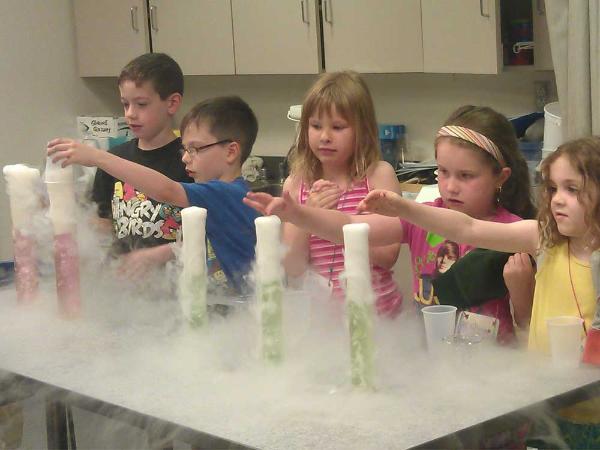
335,246
573,288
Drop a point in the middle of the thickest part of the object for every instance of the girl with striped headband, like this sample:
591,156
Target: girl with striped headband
482,174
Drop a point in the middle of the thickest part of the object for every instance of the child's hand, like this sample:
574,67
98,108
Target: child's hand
283,207
518,272
138,263
324,194
70,151
386,203
519,279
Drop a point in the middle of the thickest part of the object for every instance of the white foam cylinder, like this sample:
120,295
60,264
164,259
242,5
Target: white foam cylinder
356,250
61,193
23,188
193,222
268,249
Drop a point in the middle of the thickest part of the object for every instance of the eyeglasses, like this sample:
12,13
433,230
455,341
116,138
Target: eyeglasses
197,150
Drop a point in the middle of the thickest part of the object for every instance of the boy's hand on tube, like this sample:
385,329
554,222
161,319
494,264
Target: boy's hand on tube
283,207
71,151
379,201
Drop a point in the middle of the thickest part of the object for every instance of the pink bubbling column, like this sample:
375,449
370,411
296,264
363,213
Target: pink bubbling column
62,212
24,188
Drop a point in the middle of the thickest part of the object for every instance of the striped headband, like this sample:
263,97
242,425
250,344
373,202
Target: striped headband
473,137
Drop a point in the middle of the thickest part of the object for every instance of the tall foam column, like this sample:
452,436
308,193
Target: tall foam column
61,192
359,303
23,185
269,286
193,278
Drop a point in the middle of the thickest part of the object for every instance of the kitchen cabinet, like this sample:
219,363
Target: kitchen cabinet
542,55
226,37
276,36
109,34
461,36
473,36
196,33
373,36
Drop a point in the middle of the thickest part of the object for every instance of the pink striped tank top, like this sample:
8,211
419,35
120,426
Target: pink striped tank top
327,258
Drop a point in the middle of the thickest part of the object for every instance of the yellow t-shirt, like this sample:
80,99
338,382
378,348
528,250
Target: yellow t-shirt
554,295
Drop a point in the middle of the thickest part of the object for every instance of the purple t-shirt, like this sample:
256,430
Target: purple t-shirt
432,254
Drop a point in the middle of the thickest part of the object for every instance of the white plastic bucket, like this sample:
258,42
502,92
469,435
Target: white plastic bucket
553,134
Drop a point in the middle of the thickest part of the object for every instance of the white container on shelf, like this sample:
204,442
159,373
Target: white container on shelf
553,133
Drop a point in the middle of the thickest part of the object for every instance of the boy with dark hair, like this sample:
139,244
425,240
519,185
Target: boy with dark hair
217,136
151,88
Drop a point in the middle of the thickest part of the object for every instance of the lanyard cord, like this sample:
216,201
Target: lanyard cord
573,288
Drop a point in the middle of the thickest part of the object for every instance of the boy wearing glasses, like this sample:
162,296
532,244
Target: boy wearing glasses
151,88
218,135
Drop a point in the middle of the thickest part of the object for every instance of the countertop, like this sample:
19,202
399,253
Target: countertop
142,357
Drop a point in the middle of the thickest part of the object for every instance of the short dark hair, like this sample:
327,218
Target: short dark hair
160,69
227,118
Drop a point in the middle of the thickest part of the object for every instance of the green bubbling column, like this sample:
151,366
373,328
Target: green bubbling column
193,280
269,287
359,303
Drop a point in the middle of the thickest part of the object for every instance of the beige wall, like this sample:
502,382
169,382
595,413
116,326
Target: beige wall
42,93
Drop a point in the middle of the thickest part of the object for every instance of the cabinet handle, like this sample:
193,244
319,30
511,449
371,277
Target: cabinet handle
540,6
327,11
303,14
134,21
153,20
483,14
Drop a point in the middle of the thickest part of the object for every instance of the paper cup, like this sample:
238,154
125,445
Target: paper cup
439,324
564,336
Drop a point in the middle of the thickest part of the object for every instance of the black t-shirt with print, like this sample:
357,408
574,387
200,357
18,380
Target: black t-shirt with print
138,220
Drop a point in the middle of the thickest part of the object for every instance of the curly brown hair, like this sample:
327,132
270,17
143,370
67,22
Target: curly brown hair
515,194
349,94
584,156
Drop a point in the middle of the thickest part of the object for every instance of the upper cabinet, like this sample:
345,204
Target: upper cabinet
196,33
109,34
276,36
542,54
372,35
461,36
224,37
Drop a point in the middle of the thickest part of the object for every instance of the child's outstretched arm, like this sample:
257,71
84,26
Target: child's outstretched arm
521,236
325,223
153,183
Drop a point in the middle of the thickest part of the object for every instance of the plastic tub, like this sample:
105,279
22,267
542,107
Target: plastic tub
553,133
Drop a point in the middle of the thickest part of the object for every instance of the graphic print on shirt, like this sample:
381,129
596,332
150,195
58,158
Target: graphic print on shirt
135,215
441,255
217,280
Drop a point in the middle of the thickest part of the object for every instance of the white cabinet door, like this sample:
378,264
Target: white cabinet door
375,36
275,36
109,33
461,36
542,57
196,33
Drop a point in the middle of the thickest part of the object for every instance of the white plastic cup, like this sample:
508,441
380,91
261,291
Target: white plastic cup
440,321
564,336
55,173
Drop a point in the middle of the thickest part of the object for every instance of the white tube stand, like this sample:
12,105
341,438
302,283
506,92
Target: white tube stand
359,303
23,185
63,214
269,287
193,278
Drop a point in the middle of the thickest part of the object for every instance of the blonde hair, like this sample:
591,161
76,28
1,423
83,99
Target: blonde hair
349,94
584,156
